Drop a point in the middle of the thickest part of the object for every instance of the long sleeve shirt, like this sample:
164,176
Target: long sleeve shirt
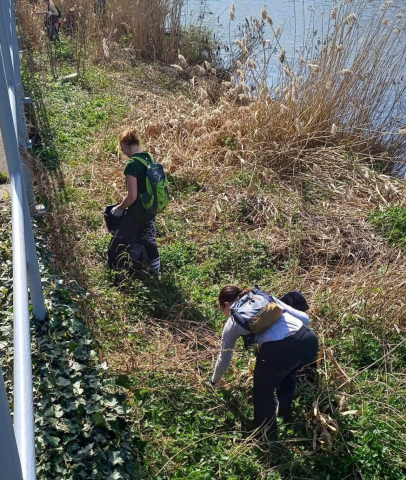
290,322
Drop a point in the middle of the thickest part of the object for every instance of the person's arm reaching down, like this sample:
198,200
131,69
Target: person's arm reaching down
231,332
132,193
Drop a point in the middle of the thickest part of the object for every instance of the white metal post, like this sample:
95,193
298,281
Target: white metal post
23,392
9,459
9,129
8,33
22,236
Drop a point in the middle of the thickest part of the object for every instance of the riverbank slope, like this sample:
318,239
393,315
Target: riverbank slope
244,210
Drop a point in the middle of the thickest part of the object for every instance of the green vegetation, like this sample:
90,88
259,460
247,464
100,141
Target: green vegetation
3,178
197,44
163,334
81,422
391,222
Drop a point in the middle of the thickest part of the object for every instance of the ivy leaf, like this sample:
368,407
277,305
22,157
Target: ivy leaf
46,384
77,390
110,403
115,476
123,381
53,441
62,382
92,408
117,458
99,420
58,412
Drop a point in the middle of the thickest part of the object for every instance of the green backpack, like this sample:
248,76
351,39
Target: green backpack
156,195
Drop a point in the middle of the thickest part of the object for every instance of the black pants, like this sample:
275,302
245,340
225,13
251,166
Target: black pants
275,370
118,257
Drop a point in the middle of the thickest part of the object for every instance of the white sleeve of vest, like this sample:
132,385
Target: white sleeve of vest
302,316
230,335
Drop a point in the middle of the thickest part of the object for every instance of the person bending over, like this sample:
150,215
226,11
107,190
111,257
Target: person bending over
52,20
285,347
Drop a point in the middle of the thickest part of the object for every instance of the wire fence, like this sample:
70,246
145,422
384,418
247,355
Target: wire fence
17,449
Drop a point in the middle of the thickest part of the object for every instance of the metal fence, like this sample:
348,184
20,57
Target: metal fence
18,465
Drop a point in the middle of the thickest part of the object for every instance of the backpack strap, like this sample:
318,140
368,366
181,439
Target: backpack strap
237,318
143,161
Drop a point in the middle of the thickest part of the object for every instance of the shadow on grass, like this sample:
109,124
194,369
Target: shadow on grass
46,163
162,297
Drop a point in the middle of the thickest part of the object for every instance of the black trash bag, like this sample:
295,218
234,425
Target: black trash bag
295,300
112,222
137,252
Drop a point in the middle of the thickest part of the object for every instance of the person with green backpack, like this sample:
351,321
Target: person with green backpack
147,195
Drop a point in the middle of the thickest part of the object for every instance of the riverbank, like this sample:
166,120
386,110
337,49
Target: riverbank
242,211
284,185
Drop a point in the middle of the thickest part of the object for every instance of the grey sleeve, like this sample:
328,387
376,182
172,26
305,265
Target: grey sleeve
302,316
231,332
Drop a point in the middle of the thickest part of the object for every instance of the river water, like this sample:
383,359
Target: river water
296,17
302,23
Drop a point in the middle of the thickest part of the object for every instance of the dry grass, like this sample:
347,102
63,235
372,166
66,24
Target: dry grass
323,194
122,30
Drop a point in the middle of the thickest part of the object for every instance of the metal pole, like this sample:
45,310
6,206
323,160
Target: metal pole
9,459
23,392
9,134
12,63
34,277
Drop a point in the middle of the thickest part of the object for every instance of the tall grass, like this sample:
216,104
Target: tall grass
350,92
111,30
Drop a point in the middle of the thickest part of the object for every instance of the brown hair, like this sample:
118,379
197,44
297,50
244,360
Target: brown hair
231,293
129,137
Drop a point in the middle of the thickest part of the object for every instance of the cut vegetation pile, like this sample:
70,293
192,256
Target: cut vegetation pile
267,188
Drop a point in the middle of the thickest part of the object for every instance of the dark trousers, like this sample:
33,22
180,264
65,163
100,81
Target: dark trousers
275,370
117,254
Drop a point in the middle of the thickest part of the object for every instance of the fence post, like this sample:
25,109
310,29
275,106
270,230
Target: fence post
23,247
9,459
12,65
9,109
23,391
23,402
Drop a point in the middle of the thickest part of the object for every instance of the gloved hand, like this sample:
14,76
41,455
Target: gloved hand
116,212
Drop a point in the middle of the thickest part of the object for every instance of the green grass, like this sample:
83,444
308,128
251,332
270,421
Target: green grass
3,178
391,222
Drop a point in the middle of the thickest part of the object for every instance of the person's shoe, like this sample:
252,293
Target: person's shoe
119,279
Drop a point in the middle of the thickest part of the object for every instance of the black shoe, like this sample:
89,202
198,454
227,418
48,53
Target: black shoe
119,279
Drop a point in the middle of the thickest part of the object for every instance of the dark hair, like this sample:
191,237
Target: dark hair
231,293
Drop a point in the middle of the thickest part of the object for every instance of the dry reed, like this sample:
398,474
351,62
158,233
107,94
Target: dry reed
117,30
